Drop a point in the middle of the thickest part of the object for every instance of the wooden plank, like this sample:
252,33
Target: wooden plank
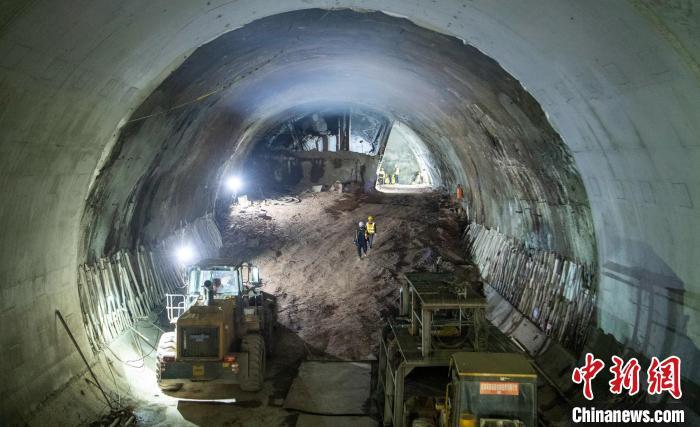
147,283
135,288
86,308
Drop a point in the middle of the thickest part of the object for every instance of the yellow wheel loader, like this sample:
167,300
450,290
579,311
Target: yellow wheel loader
222,332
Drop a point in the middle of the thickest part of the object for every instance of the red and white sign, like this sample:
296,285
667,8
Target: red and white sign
499,388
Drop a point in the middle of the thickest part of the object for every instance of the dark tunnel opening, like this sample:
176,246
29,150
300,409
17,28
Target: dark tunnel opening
316,146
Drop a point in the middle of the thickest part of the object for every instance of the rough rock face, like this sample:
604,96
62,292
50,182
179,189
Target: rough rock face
480,126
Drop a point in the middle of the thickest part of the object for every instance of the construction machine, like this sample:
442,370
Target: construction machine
222,333
442,341
489,390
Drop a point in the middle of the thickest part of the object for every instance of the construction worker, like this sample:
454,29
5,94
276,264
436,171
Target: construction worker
395,178
361,239
216,285
460,197
371,230
381,176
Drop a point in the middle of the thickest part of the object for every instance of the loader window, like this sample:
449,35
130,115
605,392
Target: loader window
499,400
229,280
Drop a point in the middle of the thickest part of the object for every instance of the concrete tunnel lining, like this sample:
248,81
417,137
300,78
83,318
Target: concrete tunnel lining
625,108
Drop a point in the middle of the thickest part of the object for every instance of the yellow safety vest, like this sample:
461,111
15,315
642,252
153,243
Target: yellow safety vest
370,228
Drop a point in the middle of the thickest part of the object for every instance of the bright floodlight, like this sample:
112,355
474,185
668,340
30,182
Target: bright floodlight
234,183
184,254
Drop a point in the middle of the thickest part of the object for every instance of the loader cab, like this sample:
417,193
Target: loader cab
491,389
235,280
223,339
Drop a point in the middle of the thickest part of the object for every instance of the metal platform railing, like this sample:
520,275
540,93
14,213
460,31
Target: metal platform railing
176,304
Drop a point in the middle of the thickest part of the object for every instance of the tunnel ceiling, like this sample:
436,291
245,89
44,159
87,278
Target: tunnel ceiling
618,81
481,127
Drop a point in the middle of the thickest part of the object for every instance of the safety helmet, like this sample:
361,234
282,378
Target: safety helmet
370,218
361,224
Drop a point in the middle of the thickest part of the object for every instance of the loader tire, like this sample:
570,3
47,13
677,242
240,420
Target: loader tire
254,345
166,344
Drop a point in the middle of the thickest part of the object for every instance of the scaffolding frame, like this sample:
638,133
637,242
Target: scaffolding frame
407,343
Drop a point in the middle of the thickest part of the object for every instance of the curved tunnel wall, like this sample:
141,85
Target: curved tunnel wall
483,128
618,80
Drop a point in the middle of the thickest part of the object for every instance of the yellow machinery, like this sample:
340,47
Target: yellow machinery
443,328
489,390
220,335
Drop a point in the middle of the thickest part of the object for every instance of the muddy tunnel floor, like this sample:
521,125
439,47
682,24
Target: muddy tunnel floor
332,299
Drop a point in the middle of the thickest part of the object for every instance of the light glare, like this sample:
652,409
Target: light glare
234,183
184,254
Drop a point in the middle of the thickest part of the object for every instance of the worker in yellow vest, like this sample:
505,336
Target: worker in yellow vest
371,228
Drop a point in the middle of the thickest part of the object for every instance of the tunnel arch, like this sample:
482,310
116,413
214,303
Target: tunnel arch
484,117
619,83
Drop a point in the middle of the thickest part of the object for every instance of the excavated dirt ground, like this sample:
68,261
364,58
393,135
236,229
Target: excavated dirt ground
327,295
330,301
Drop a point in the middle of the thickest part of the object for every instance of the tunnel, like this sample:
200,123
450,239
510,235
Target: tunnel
131,131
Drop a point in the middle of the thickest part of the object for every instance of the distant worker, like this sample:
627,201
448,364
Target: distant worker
371,230
397,171
460,197
381,176
361,239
